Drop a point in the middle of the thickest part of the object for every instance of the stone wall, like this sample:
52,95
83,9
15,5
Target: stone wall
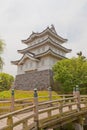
40,79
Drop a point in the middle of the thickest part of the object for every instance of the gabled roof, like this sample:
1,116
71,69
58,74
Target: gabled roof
49,40
48,30
25,56
51,52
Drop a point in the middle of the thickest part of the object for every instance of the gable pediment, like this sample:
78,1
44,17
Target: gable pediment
24,57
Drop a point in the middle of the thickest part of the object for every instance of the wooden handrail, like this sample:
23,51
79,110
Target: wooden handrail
16,112
59,100
60,105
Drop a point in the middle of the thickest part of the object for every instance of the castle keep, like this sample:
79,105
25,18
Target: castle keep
43,50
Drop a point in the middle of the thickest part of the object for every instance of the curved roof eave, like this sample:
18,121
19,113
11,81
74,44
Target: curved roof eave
15,62
43,32
41,43
49,51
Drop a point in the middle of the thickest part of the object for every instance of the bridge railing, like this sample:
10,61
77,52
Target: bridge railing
23,121
39,114
22,103
6,106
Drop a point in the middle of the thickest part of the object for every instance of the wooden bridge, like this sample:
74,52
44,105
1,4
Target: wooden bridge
47,115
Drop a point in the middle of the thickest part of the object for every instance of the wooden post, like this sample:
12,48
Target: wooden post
74,92
50,93
64,97
61,107
36,108
25,125
10,122
70,106
12,100
49,113
78,125
78,97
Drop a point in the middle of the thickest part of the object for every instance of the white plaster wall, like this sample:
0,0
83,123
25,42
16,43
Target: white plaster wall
40,49
45,63
20,69
52,61
48,63
27,66
30,65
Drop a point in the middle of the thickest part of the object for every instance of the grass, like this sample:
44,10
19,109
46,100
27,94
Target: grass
20,94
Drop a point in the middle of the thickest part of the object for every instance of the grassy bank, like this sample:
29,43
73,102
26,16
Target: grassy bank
19,94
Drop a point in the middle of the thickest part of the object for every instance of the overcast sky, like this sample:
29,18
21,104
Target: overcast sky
18,18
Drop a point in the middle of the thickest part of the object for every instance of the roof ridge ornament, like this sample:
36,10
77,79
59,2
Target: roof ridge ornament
33,32
53,28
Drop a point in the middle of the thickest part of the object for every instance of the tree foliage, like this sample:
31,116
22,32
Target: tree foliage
2,44
6,81
71,72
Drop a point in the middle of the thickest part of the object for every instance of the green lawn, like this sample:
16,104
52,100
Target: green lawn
19,94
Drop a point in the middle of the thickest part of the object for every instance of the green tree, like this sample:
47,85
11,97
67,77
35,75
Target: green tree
70,72
6,81
2,44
